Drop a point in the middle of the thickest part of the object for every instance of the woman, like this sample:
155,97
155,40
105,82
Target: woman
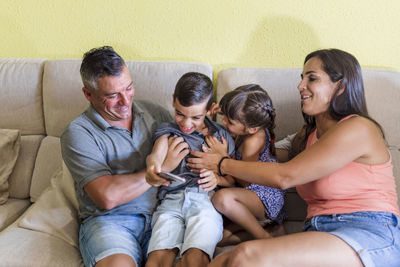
341,167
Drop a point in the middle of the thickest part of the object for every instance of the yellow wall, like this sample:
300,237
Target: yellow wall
223,33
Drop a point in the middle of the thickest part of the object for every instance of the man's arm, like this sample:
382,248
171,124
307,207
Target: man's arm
91,172
110,191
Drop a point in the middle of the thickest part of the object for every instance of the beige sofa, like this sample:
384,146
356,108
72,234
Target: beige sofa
39,97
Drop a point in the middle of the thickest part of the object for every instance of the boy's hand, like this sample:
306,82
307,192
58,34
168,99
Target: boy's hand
216,146
152,178
177,151
208,180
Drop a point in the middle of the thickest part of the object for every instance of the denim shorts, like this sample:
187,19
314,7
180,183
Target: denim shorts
103,236
375,236
186,219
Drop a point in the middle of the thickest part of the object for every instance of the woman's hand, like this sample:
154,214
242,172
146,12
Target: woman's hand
208,180
204,160
216,146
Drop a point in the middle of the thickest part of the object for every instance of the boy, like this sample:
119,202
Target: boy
185,221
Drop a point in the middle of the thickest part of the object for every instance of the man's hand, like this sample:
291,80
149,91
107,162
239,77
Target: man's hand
208,180
177,151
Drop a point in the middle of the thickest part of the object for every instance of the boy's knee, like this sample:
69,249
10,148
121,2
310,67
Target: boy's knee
195,257
161,258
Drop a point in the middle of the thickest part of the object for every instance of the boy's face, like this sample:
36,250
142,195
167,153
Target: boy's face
190,118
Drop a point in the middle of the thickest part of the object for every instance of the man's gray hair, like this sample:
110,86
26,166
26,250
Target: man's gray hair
100,62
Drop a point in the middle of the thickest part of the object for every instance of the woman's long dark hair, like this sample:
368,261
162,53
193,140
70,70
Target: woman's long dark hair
344,67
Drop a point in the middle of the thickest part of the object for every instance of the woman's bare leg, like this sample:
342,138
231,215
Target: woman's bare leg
300,249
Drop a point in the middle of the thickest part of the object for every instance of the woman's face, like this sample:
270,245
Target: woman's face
316,88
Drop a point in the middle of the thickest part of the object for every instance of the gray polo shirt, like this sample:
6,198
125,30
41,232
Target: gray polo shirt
91,148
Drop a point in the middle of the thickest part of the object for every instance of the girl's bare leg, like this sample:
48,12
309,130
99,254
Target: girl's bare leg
300,249
243,207
233,234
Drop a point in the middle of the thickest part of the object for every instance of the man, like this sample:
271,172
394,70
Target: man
105,149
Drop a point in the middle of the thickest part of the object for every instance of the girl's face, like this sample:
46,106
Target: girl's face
234,127
316,88
190,118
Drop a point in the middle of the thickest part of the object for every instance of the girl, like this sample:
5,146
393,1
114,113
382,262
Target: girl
250,118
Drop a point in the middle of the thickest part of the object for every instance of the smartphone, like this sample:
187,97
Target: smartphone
171,177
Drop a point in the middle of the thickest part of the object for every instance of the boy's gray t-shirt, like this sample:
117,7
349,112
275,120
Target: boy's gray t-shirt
195,141
91,148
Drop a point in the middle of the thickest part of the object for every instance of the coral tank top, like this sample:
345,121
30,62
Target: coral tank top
355,187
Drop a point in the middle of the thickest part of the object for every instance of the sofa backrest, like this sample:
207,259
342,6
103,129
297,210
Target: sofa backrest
382,91
63,99
21,95
21,108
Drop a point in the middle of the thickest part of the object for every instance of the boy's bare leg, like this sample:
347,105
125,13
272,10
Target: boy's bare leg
193,257
162,258
117,260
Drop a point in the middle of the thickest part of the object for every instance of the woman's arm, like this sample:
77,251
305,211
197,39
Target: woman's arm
355,139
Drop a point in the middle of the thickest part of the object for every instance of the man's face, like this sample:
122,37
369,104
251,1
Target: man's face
113,98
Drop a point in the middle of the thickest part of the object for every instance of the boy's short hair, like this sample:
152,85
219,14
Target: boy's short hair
194,88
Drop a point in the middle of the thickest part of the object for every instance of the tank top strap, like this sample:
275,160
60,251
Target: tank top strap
348,117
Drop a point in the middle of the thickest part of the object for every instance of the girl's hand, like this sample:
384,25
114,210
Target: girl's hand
208,180
214,109
216,146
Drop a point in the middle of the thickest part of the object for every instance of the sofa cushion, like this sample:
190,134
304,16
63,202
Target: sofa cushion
20,179
9,149
23,247
11,210
21,95
63,99
48,160
56,210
